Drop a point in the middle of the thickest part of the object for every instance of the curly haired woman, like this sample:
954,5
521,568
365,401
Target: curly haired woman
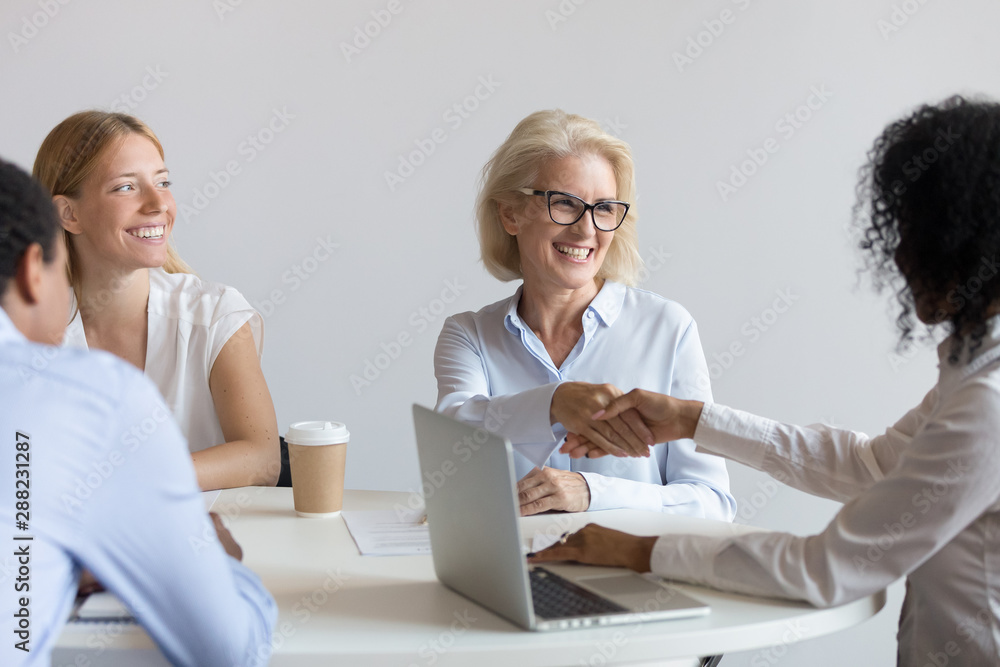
923,499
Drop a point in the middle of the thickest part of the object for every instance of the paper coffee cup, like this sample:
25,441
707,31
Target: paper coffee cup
317,452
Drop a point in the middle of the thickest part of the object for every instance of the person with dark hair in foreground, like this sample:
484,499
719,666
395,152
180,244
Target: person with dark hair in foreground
99,477
923,499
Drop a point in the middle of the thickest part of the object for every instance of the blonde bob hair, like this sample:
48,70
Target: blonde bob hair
72,151
543,136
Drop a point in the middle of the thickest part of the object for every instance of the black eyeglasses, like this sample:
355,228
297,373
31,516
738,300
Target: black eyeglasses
567,209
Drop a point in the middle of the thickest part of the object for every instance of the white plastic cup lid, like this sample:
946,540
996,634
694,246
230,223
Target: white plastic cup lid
317,433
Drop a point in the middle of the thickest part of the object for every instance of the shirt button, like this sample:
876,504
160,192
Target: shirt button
590,315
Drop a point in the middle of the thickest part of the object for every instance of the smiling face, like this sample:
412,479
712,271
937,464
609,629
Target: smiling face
557,258
125,212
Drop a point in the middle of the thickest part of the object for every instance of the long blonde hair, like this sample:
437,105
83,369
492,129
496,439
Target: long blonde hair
71,152
542,136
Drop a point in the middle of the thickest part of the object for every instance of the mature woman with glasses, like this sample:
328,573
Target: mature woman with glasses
199,342
554,211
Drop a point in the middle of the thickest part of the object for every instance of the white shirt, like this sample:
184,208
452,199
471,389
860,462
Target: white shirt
112,489
493,372
922,501
190,321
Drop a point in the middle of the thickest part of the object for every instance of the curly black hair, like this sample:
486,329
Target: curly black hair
928,212
26,216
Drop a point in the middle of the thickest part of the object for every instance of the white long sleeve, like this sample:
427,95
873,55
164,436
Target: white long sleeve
922,500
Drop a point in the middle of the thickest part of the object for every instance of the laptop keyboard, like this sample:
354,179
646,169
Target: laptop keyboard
556,597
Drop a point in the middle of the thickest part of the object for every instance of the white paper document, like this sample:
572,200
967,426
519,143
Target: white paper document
388,533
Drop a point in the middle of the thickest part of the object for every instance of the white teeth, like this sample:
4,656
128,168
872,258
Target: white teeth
575,253
147,232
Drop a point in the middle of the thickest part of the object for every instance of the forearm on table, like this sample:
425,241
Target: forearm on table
238,463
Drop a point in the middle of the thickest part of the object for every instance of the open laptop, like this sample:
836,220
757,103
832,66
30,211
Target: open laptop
473,517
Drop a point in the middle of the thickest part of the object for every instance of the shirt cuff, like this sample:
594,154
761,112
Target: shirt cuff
526,418
734,434
684,557
609,493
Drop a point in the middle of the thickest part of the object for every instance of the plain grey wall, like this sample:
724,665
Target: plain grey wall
329,174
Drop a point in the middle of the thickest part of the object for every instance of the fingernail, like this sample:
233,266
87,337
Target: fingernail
598,414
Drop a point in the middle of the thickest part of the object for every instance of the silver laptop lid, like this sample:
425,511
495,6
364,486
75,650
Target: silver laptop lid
473,514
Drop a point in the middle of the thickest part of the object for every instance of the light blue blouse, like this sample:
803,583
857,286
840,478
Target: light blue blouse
493,372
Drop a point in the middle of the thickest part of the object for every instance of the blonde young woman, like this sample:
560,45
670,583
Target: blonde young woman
199,342
557,211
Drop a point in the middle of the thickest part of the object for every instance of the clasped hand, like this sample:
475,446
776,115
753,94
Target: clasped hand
574,405
641,414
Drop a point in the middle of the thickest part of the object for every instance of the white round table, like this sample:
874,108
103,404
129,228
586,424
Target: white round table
338,607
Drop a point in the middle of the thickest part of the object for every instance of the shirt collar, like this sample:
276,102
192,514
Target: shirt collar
607,305
9,332
986,353
512,321
608,302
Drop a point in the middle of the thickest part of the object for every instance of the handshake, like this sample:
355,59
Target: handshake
601,420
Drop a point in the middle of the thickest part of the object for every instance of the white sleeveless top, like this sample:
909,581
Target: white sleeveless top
190,321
